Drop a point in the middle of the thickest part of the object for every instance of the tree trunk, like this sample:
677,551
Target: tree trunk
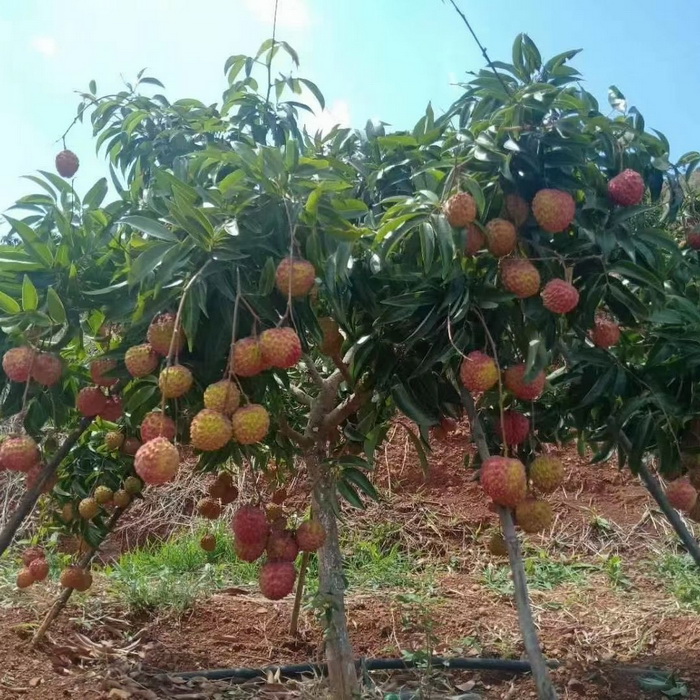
342,675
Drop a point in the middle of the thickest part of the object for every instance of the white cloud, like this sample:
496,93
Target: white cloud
291,14
45,45
337,113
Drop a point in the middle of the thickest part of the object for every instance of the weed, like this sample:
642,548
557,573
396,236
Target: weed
615,574
680,574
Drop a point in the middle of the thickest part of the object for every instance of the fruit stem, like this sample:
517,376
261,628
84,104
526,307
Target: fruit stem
303,566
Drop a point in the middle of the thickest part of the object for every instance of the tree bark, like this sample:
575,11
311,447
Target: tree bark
303,566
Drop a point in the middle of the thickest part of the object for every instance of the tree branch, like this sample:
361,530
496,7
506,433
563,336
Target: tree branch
313,372
294,435
300,395
344,370
344,410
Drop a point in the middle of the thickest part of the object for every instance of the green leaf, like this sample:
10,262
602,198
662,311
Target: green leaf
315,91
96,194
151,227
639,274
418,447
57,311
361,481
38,250
617,99
30,298
267,278
8,304
147,262
349,494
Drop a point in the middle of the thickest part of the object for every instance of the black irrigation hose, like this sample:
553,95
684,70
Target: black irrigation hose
505,665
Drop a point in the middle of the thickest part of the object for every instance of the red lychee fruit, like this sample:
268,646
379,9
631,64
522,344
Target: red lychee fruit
247,358
223,488
250,526
554,210
132,485
277,579
208,508
157,461
39,569
17,363
516,426
121,498
627,188
501,237
175,381
113,410
131,446
85,581
559,297
249,552
91,401
518,209
533,515
281,546
208,543
160,335
605,332
514,379
47,369
332,341
520,277
497,545
19,454
114,440
71,577
210,430
223,397
310,535
692,239
475,240
98,370
297,275
156,424
141,360
681,495
478,371
547,473
460,210
250,424
88,508
67,163
32,553
32,477
280,347
24,578
504,480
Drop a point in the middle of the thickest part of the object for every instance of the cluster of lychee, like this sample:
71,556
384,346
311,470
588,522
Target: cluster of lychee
35,568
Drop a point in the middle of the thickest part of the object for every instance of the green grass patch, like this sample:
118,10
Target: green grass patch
681,577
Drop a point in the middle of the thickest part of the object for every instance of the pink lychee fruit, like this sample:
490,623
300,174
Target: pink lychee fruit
277,579
478,371
627,188
157,461
559,297
504,480
280,347
554,210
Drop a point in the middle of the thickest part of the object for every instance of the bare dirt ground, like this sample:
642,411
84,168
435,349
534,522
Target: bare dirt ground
609,615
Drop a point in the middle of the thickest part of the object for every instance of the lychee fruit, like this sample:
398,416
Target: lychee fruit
71,577
247,359
121,498
504,480
32,553
223,397
133,485
497,545
559,297
17,363
223,488
501,237
554,210
681,495
67,163
605,332
518,209
32,478
295,275
332,341
175,381
113,409
210,430
141,360
478,371
475,240
443,429
157,424
24,578
280,347
627,188
114,440
39,569
88,508
67,512
533,515
160,335
19,454
547,473
208,508
157,461
277,579
91,401
514,379
692,239
208,543
310,535
85,581
281,546
103,494
520,277
47,369
250,526
515,427
131,446
249,552
250,424
460,210
98,370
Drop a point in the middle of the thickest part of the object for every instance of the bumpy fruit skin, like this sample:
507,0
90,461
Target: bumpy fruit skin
280,347
208,508
277,579
32,553
210,430
475,240
156,424
554,210
141,360
19,454
131,446
514,379
175,381
497,545
682,495
310,536
121,498
67,512
32,477
98,369
160,334
208,543
517,208
605,333
249,552
24,578
113,409
504,480
559,297
114,440
332,341
103,494
250,526
520,277
223,397
85,581
300,274
281,546
157,461
515,428
478,371
501,237
247,359
39,569
47,369
17,363
627,188
67,163
88,508
547,474
692,239
460,210
533,515
71,577
132,485
250,424
91,401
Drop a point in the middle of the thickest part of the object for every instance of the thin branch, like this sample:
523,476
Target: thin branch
344,410
313,372
344,369
300,395
294,435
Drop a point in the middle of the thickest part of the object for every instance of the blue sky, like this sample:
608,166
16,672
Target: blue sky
381,59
